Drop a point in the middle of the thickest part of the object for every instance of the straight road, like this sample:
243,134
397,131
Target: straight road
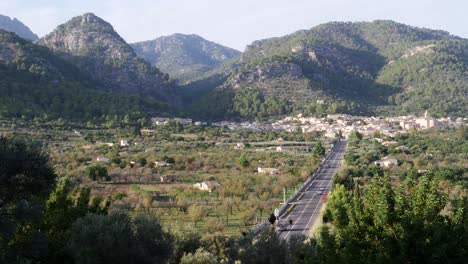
307,208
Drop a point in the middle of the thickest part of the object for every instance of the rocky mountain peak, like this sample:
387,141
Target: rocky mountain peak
17,27
94,46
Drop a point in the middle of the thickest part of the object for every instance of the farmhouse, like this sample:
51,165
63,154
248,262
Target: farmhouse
239,146
269,171
159,121
207,186
387,161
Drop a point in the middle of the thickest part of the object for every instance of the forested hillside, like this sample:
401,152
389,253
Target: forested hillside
379,67
36,83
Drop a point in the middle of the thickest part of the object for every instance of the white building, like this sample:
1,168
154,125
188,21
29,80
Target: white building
269,171
124,143
162,164
239,146
387,161
207,186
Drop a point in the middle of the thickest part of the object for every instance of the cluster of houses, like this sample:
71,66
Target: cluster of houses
341,124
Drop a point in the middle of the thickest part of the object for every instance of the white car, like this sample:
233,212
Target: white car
319,192
322,189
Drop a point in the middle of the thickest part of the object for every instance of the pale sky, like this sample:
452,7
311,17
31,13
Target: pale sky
235,23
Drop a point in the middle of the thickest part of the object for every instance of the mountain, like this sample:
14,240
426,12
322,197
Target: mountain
184,57
15,26
92,45
36,83
379,67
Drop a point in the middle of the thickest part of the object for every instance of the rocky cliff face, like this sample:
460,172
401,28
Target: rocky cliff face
184,57
17,27
93,45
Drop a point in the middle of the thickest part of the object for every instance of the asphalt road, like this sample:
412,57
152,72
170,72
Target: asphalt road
307,208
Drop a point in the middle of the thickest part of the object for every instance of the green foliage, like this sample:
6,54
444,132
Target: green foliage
62,209
244,162
200,256
97,172
395,224
319,150
117,238
26,179
242,103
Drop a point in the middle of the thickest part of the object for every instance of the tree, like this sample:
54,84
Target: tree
243,162
26,179
201,256
196,213
142,162
387,223
319,150
247,215
62,209
117,238
97,172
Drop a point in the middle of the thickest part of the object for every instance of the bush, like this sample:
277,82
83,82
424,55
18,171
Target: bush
97,172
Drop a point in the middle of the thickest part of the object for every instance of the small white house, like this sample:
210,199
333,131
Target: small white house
239,146
162,164
207,186
124,143
279,149
387,161
269,171
102,159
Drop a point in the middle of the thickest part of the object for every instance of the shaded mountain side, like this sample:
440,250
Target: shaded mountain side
184,57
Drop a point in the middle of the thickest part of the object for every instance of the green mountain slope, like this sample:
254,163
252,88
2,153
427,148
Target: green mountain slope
378,67
184,57
34,82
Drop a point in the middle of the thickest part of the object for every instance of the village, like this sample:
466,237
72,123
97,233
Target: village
333,125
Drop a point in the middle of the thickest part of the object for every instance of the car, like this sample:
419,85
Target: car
322,189
319,192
